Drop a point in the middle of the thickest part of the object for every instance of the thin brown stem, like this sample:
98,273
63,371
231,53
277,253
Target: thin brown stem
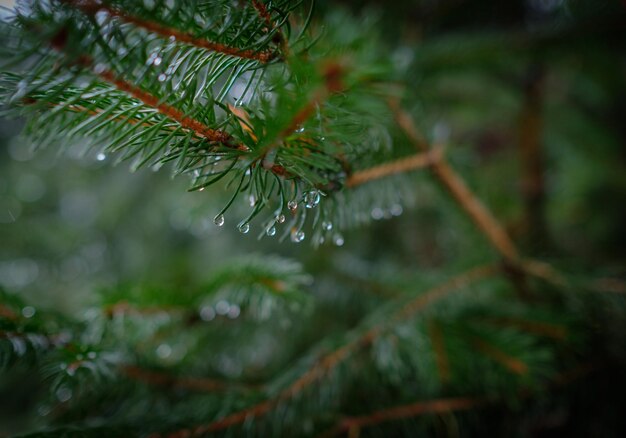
267,17
411,410
198,384
509,362
413,162
350,424
92,7
335,358
458,189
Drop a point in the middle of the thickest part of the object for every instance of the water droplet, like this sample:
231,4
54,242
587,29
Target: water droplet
271,231
64,394
222,307
377,213
157,60
248,171
28,312
252,200
297,236
338,239
163,351
207,313
300,128
234,311
172,38
219,220
280,218
322,138
101,16
162,77
292,205
101,157
327,225
396,210
312,199
99,68
244,228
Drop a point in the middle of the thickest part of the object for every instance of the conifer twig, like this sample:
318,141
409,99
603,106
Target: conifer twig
350,424
92,7
200,129
511,363
191,383
459,190
413,162
333,359
266,16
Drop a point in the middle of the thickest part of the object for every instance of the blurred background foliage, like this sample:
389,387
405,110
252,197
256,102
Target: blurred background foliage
81,239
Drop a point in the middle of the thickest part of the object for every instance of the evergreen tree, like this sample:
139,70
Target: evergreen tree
465,157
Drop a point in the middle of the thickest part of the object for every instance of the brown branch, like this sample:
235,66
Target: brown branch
540,328
352,424
408,411
439,348
91,7
267,17
191,383
212,135
333,359
511,363
455,185
413,162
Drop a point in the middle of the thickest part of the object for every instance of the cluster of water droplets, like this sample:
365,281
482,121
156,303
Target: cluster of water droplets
297,208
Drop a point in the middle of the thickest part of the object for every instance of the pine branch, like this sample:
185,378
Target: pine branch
333,359
511,363
459,190
199,384
91,7
198,128
413,162
353,425
439,348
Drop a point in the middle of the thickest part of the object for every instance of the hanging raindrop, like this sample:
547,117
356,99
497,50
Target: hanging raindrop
244,228
292,205
396,210
252,200
312,199
300,128
297,236
101,157
338,239
162,77
280,218
327,225
271,231
219,220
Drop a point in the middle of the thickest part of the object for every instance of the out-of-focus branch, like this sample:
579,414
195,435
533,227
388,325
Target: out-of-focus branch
336,357
531,158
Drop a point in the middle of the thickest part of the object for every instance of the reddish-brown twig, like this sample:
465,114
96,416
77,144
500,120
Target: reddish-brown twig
455,185
91,7
413,162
